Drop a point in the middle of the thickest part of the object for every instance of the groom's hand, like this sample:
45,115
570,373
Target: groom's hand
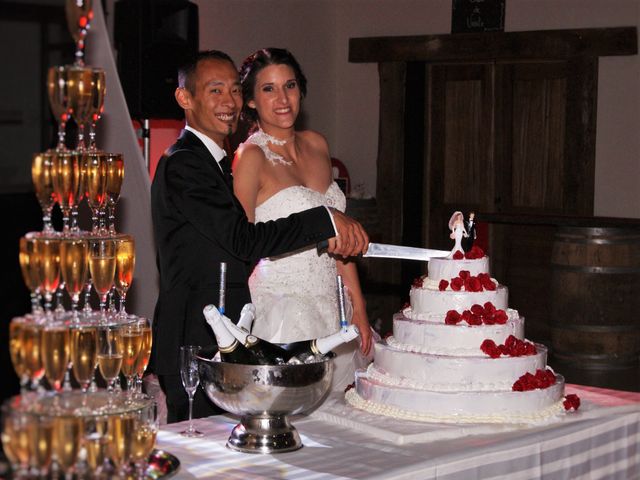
351,240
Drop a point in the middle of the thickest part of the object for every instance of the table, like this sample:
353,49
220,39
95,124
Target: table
602,440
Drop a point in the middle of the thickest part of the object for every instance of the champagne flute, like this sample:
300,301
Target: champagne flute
59,100
41,174
145,351
15,439
131,346
74,254
48,252
109,354
102,266
98,85
125,265
31,336
30,269
95,167
190,381
95,441
79,14
80,92
67,433
67,182
122,430
115,175
84,348
16,351
40,431
146,431
54,346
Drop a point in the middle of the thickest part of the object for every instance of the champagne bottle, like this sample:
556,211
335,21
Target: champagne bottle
231,350
247,316
268,353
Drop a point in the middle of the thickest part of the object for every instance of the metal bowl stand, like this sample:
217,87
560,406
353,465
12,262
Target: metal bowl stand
264,434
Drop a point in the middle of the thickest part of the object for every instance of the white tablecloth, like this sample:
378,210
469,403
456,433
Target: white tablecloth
601,441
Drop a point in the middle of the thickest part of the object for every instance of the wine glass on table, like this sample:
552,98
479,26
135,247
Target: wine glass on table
102,266
146,431
190,381
125,265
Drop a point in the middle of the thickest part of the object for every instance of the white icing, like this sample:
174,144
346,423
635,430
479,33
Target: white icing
447,268
449,373
532,407
434,301
429,334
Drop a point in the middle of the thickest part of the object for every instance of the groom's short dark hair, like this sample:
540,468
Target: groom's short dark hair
187,70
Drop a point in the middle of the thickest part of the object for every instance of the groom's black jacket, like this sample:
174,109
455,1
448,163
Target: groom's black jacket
198,223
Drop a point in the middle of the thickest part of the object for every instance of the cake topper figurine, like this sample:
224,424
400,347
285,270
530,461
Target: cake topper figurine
470,229
456,225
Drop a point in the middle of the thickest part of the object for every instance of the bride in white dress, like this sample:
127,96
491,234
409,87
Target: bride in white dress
279,171
456,225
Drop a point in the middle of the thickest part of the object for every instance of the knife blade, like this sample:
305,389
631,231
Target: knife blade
383,250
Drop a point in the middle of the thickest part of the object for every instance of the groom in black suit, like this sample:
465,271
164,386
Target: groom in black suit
198,223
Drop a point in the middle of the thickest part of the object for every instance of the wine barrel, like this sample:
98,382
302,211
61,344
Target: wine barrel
595,305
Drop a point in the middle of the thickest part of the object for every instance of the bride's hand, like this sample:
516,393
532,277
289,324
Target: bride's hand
362,322
351,240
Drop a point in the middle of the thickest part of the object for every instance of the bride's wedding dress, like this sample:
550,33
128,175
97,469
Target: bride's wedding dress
295,294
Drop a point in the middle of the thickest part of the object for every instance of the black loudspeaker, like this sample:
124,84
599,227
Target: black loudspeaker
153,38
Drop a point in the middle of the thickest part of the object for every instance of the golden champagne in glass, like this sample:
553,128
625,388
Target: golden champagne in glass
41,174
48,251
115,176
145,352
131,346
144,440
95,168
84,348
15,438
40,433
79,14
67,433
74,253
109,353
67,183
102,266
96,440
121,430
80,92
99,89
125,265
59,100
55,353
30,269
31,336
16,350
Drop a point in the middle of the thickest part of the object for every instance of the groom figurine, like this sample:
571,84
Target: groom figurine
198,223
470,228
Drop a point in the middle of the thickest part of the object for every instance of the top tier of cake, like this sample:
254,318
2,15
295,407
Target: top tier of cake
446,268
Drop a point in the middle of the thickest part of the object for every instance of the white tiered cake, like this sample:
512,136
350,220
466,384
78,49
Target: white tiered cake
458,354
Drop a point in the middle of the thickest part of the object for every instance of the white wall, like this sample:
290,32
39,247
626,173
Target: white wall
343,97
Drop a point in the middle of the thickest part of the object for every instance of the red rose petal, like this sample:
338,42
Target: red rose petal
442,286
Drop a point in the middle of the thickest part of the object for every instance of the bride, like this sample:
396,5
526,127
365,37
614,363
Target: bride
279,171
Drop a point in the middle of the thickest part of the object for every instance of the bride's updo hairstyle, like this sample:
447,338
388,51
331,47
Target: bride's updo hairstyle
256,62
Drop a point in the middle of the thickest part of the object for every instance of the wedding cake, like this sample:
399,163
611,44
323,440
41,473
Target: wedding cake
458,354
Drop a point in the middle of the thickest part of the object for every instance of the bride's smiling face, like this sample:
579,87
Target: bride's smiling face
276,97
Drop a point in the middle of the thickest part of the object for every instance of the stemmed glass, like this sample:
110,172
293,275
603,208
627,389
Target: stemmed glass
79,15
109,354
41,174
115,175
15,439
98,85
31,336
30,269
102,266
80,89
146,430
73,267
125,264
67,183
95,168
48,252
40,444
55,353
84,355
131,345
67,436
190,381
145,351
16,351
57,87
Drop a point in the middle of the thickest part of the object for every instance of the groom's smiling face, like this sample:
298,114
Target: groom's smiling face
213,104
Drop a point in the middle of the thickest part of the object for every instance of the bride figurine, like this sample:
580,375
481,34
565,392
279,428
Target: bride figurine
456,225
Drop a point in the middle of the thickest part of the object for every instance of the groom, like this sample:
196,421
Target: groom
198,223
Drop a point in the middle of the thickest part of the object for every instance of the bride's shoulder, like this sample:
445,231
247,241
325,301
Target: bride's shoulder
248,156
314,140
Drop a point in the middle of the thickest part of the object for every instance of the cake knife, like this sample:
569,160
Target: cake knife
382,250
